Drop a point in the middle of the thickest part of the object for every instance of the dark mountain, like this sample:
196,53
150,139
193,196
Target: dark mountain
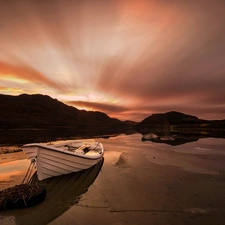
35,111
130,122
176,122
169,118
41,111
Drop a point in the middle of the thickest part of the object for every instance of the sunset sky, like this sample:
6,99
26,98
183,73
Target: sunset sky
126,58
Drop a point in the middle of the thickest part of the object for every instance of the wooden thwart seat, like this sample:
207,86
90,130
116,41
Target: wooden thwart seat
83,148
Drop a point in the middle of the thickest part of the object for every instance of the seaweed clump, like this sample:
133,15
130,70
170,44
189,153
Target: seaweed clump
20,196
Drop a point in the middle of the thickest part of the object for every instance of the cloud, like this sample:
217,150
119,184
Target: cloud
26,73
144,56
96,106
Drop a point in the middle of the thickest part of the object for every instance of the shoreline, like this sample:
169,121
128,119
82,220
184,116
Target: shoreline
10,149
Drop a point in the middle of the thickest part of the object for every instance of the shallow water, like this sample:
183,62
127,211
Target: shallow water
11,172
123,153
202,146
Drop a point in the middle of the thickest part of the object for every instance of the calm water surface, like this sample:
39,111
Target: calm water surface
204,156
128,143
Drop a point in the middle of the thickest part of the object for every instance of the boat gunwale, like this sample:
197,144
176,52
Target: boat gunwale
93,157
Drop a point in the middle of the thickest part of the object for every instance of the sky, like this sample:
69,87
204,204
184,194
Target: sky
126,58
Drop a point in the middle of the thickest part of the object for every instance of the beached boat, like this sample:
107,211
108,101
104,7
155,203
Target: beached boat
63,192
63,158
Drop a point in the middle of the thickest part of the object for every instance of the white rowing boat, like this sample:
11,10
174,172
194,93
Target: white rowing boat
63,158
63,192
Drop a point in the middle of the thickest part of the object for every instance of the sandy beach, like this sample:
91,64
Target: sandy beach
141,184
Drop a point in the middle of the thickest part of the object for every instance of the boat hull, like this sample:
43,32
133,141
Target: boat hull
30,152
52,161
51,164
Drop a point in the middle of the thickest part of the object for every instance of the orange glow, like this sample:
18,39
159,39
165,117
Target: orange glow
11,169
135,8
125,58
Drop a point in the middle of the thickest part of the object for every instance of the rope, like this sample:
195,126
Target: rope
96,147
29,171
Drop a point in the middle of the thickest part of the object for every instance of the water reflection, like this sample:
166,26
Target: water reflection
173,139
169,139
62,192
15,167
24,136
11,171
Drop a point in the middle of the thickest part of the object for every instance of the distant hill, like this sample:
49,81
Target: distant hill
178,122
169,118
130,122
41,111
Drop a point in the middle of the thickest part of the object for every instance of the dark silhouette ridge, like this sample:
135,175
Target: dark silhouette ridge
38,111
26,118
173,122
174,118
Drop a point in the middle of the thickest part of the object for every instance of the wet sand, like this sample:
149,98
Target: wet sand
136,187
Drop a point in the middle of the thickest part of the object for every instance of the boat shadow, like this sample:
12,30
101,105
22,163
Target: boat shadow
62,193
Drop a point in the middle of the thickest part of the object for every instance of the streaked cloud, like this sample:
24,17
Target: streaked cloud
127,58
96,106
24,75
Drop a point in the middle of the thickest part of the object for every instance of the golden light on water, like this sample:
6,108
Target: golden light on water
13,168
